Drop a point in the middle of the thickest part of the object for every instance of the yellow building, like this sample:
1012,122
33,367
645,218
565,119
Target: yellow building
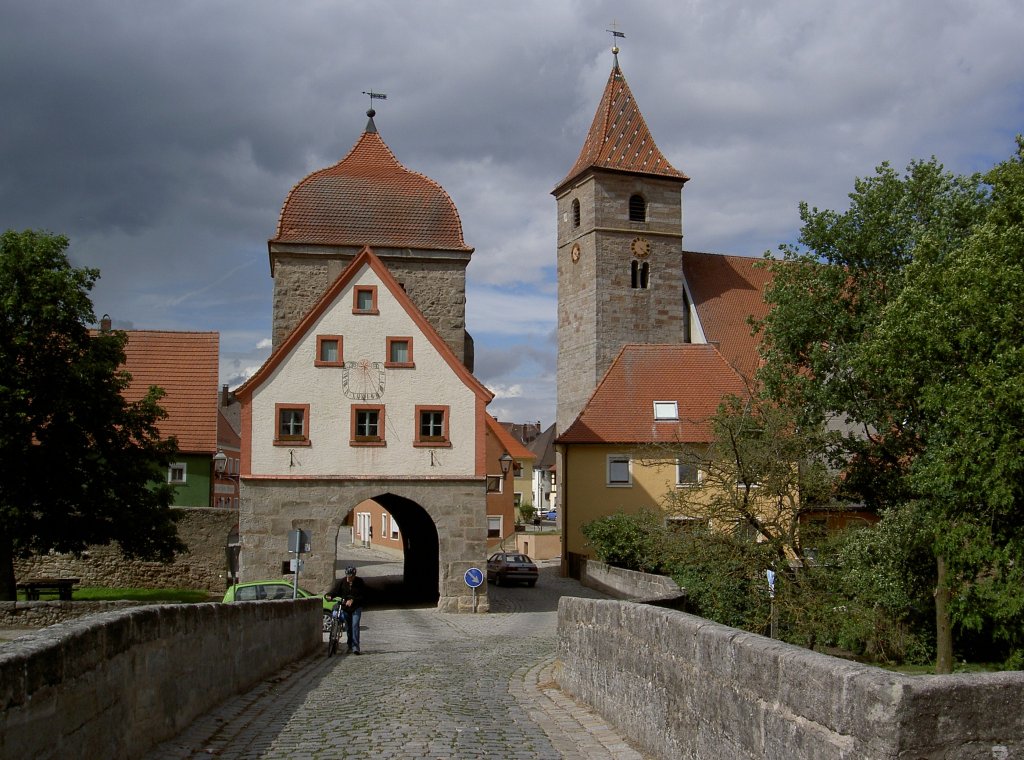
654,402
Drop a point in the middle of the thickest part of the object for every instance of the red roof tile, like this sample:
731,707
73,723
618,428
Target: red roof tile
514,448
185,365
368,198
726,290
621,409
619,138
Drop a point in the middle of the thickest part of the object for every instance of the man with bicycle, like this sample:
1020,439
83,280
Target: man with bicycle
351,590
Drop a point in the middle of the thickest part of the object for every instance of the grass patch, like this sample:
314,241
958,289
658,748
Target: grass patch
104,594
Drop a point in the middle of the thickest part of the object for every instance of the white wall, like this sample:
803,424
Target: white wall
297,381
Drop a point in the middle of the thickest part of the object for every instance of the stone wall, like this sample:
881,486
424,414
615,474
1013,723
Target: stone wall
204,530
434,280
629,584
680,686
443,522
42,614
115,684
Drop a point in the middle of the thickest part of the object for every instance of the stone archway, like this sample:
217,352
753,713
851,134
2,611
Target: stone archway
443,524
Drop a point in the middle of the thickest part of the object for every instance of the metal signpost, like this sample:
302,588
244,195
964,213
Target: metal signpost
474,579
298,544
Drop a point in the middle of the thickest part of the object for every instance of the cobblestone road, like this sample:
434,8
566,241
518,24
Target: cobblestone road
428,685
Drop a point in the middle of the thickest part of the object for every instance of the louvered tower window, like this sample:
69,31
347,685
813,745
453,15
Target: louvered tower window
575,212
637,208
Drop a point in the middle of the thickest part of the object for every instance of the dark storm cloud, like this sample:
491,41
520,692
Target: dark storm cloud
162,137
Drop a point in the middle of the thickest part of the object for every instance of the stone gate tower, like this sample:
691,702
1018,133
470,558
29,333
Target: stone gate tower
619,260
369,198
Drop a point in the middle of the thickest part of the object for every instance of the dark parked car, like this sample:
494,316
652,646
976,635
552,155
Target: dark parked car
511,567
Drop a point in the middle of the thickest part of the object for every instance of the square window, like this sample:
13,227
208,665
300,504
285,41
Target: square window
367,426
399,352
328,351
687,473
494,526
365,300
494,483
176,473
292,422
431,426
666,410
618,470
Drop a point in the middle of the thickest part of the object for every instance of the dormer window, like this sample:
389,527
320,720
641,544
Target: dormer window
637,208
575,212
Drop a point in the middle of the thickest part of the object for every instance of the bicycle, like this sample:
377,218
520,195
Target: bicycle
337,629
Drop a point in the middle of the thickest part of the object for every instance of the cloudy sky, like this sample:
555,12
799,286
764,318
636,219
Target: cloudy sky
162,137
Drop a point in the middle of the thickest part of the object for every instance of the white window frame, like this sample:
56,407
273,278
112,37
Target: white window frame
666,410
495,480
491,519
184,473
383,524
618,459
394,529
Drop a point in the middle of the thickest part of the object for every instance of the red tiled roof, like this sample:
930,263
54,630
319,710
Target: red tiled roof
726,290
368,198
185,365
515,449
619,138
621,409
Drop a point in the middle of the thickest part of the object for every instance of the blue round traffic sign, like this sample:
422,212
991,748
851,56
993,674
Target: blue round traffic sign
474,577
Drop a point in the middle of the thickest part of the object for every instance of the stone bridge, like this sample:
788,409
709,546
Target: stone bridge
557,671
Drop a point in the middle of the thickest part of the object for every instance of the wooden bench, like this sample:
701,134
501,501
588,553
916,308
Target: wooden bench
59,586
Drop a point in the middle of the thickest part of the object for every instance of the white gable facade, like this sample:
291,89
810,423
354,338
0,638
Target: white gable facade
364,400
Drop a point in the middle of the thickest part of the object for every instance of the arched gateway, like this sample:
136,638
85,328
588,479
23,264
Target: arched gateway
368,392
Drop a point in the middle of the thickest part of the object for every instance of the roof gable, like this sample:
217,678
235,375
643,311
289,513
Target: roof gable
185,365
621,408
365,258
619,138
727,291
515,449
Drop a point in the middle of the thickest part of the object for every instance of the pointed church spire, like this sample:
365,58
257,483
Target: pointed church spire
619,138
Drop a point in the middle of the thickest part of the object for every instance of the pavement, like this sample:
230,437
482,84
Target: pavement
427,685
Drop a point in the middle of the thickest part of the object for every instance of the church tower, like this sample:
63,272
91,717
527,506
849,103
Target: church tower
369,198
619,259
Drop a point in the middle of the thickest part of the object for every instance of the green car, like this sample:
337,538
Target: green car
261,591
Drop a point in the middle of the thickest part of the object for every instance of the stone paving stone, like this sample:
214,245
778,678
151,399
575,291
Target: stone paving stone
428,685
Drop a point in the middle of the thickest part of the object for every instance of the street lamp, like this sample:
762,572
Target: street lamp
505,460
220,462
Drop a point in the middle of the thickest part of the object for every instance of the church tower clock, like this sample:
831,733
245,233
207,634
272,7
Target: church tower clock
619,259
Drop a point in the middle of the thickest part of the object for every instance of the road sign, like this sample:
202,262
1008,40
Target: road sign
474,577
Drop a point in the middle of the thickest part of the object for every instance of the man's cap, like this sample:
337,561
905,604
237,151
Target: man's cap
350,570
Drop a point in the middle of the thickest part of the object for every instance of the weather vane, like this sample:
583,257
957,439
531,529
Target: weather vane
615,33
374,96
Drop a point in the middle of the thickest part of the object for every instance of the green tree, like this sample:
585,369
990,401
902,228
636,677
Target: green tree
961,312
82,466
898,318
757,477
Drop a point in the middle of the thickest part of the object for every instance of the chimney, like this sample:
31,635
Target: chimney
105,323
225,396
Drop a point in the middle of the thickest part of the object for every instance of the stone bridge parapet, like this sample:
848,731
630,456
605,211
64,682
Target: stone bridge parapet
114,684
682,686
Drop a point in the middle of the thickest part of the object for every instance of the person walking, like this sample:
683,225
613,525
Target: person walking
352,591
